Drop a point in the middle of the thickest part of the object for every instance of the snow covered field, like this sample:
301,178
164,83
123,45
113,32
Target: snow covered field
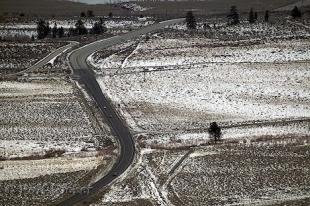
36,168
171,87
181,84
243,174
144,183
17,33
45,118
40,190
217,28
254,172
112,57
52,141
168,89
15,57
242,133
197,51
134,7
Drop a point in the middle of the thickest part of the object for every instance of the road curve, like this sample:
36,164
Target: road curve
86,77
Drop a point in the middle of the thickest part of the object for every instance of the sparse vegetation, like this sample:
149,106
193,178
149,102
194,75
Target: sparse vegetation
15,57
180,90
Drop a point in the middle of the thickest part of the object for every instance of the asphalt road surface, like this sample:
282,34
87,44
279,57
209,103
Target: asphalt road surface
86,76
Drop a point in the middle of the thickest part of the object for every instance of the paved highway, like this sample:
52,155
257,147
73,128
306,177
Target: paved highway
119,128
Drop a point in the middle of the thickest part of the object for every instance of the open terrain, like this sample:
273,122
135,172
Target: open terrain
55,141
52,140
135,131
182,83
15,57
251,79
268,171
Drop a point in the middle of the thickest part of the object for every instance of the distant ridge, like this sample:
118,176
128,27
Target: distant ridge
210,7
94,1
54,7
167,9
301,3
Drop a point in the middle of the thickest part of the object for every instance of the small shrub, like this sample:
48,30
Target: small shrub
215,131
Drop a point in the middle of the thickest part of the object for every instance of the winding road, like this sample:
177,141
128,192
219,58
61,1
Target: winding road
85,75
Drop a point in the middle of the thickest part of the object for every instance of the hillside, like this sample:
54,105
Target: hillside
161,8
212,7
54,7
303,3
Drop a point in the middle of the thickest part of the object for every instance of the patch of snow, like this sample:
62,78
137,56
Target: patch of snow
36,168
31,89
53,59
132,6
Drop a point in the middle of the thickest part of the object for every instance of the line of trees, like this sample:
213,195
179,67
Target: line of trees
233,16
57,32
44,29
89,13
